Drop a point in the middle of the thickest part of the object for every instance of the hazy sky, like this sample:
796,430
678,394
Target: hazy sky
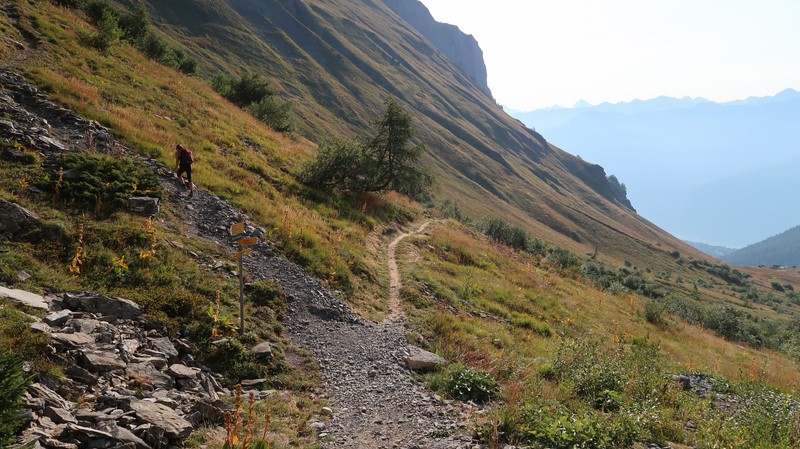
540,53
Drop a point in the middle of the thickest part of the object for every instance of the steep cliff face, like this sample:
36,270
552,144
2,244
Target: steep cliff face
462,49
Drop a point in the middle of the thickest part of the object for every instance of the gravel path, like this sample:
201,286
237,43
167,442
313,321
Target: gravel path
376,402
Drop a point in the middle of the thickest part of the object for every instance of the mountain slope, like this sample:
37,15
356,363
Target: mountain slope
339,59
515,324
691,146
782,249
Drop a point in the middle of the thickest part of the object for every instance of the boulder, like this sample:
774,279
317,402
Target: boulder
143,205
123,435
50,397
75,340
175,427
60,415
99,362
164,346
183,371
421,360
25,298
104,305
15,218
58,318
263,351
148,374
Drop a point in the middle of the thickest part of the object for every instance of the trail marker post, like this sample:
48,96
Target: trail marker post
237,229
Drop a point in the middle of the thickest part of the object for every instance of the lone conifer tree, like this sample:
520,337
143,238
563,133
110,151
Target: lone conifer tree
385,161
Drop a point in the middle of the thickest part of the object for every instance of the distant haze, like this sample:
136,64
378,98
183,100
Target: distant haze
722,174
542,53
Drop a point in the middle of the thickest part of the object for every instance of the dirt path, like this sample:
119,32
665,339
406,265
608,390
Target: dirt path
395,314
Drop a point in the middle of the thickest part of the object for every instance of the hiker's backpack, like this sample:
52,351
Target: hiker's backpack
186,156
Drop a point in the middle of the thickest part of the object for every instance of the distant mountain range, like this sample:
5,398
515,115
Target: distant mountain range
782,249
712,250
723,173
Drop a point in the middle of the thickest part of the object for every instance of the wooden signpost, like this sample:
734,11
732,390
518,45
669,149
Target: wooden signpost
237,229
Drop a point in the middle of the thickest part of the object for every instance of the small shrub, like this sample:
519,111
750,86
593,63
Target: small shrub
12,386
562,258
502,232
467,384
274,112
654,312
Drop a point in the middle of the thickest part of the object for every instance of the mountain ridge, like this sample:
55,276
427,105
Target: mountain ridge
654,143
782,249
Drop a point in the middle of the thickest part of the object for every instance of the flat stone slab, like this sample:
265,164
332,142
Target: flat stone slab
162,416
102,362
183,371
58,318
147,373
77,339
25,298
88,302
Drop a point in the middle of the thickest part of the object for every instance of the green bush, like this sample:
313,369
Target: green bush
547,424
654,312
249,89
466,384
562,258
103,184
761,419
502,232
12,386
594,372
274,112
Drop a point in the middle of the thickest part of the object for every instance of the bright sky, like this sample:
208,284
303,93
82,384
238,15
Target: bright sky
544,52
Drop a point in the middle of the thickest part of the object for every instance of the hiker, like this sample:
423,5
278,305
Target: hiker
183,164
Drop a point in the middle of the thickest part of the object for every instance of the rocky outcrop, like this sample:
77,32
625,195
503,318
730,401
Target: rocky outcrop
126,383
15,218
460,48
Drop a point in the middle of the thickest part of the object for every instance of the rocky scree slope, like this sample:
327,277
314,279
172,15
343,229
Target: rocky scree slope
375,400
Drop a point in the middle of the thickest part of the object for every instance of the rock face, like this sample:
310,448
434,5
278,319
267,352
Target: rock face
462,49
139,388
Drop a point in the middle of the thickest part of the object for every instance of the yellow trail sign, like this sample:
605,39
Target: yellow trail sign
247,241
237,228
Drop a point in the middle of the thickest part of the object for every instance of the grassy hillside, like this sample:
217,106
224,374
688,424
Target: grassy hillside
338,60
589,281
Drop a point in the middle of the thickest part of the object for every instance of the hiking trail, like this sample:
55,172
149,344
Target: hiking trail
395,311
